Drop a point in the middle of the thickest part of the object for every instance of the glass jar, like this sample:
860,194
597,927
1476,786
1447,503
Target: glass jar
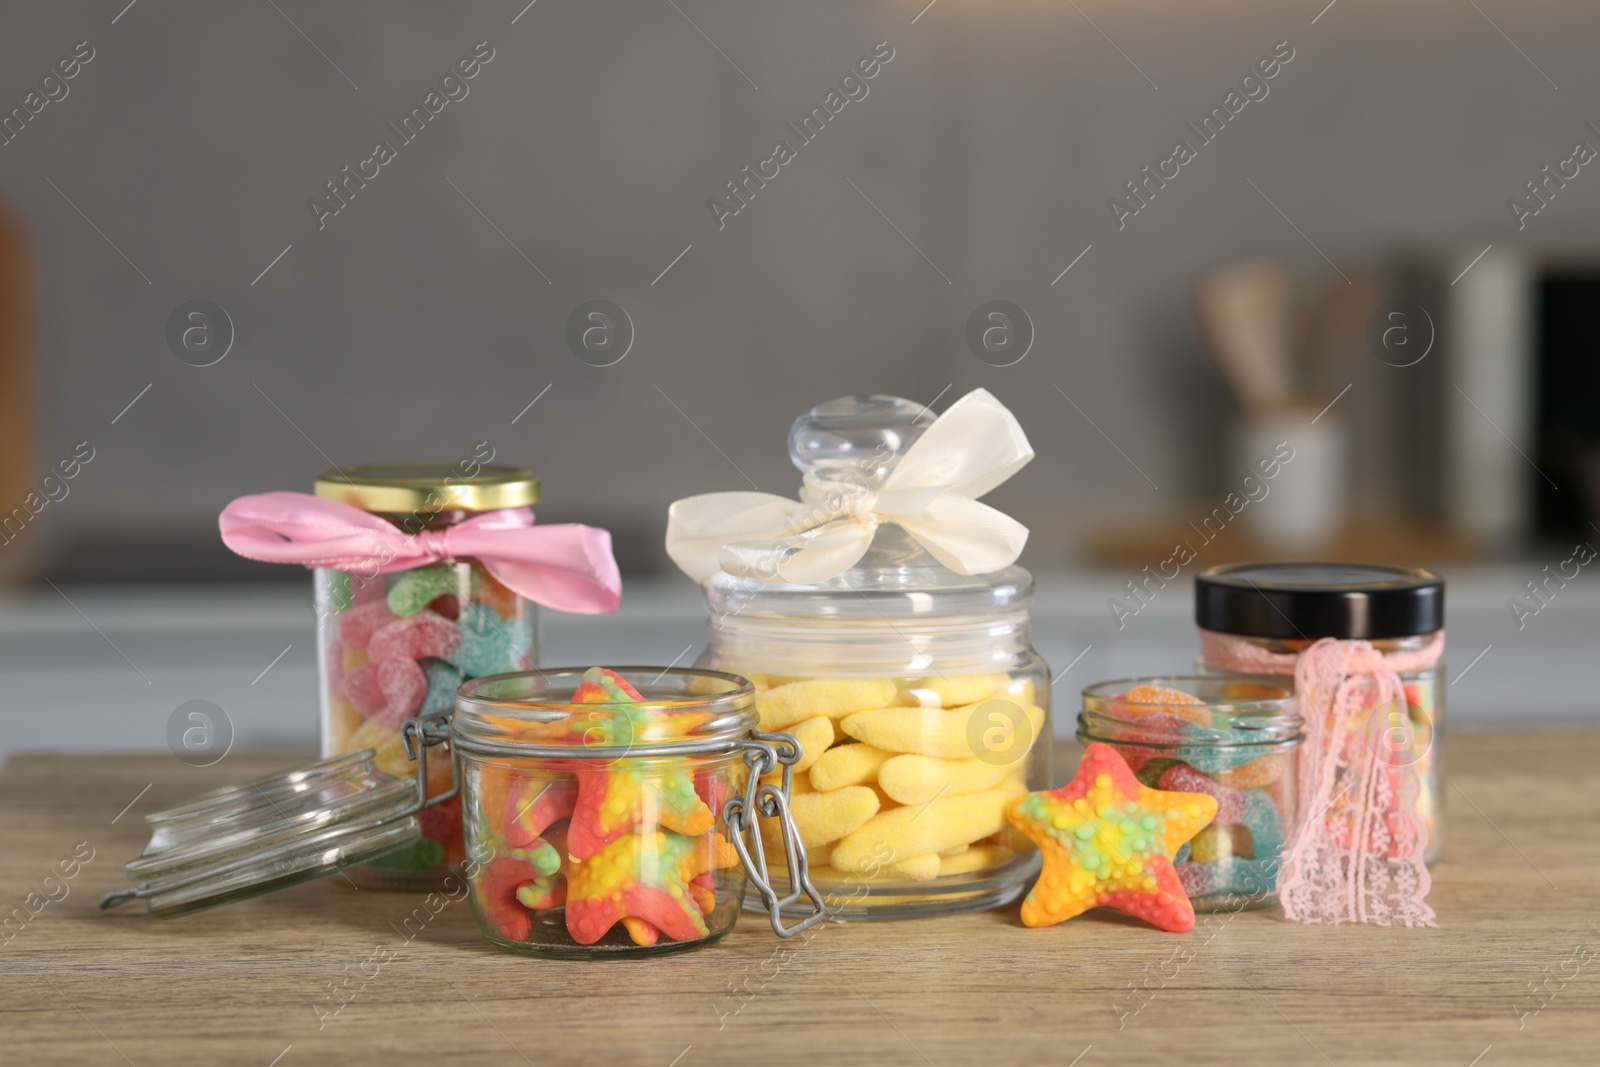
593,829
1234,739
920,707
1258,619
620,829
395,645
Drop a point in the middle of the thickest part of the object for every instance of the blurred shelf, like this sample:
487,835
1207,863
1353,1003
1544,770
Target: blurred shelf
1382,543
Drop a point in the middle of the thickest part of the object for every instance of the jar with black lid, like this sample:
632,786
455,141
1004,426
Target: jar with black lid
1261,618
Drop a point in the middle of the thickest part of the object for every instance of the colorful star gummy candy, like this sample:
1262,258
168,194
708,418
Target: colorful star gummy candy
648,876
533,804
497,895
613,800
1109,840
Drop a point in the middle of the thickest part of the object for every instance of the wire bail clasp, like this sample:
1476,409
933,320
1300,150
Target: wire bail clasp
763,753
420,734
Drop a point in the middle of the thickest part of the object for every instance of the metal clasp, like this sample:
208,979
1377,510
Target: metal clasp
420,734
763,753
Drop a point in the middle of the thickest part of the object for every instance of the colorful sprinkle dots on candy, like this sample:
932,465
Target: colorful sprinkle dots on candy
533,805
610,803
1108,840
645,877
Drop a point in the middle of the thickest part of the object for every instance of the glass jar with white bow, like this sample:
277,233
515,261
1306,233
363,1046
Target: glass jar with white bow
885,626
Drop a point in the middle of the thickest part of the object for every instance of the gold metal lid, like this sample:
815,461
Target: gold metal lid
395,488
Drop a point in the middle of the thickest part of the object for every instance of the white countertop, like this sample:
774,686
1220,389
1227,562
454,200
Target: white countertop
108,679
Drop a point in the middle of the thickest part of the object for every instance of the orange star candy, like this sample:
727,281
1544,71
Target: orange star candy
1108,840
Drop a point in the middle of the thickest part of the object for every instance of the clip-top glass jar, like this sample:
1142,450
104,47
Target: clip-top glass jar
596,827
626,828
394,645
1234,739
920,706
1258,619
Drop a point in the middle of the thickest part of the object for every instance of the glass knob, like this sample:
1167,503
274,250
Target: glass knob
866,435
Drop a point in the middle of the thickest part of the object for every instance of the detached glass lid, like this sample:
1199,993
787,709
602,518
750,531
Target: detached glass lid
244,840
887,525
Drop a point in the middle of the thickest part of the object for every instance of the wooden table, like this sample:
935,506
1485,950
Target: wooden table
244,984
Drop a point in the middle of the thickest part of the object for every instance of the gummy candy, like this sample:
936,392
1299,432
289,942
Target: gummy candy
1182,778
845,765
1109,840
528,816
415,589
913,779
422,634
814,735
645,877
918,829
612,802
932,731
443,680
358,624
389,692
784,705
488,644
497,888
825,817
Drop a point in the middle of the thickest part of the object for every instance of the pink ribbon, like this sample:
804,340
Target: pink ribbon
567,567
1373,871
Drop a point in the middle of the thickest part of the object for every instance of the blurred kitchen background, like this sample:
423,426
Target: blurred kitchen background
1390,260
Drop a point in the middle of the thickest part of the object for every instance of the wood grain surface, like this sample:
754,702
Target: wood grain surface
1511,975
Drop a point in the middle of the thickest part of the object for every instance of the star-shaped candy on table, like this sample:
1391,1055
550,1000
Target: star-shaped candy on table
1108,840
646,881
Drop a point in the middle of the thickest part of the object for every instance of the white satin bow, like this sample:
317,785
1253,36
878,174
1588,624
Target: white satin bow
931,493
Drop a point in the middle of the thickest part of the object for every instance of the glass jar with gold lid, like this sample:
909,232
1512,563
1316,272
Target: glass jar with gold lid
426,576
394,645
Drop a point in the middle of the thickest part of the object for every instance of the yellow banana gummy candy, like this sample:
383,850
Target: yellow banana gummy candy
785,705
814,735
976,858
982,729
919,829
825,817
848,765
913,779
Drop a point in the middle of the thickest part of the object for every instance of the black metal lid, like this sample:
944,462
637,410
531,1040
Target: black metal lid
1310,601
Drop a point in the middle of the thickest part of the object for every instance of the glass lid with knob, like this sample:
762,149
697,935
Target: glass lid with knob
887,525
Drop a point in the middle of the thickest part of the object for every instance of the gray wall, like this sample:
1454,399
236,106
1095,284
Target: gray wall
410,328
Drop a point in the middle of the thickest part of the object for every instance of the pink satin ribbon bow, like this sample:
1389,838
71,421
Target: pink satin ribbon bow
567,567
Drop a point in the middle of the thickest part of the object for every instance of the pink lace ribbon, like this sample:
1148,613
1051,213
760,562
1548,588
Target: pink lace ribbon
565,566
1365,864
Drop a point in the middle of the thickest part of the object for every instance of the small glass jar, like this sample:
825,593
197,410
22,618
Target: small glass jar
621,829
396,645
920,706
1235,739
1257,619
